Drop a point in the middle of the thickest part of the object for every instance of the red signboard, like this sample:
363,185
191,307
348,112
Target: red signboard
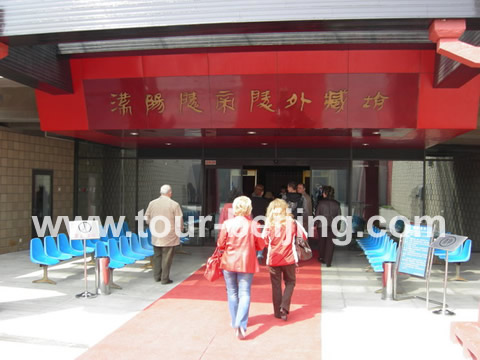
254,101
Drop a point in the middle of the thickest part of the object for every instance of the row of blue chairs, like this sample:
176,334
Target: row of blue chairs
122,250
378,249
382,249
50,252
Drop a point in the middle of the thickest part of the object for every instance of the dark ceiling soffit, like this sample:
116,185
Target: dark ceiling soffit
38,67
452,74
311,38
226,28
452,150
418,46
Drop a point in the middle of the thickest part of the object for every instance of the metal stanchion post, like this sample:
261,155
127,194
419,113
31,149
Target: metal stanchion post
429,274
85,294
444,309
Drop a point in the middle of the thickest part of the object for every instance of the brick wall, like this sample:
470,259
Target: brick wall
19,155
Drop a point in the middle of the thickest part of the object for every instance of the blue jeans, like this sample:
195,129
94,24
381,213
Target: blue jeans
238,293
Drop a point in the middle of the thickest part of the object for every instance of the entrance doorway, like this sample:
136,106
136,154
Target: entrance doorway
42,182
273,178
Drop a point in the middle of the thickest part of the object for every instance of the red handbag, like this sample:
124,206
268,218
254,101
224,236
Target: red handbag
212,268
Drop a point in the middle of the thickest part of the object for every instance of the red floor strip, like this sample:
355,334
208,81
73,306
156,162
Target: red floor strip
192,322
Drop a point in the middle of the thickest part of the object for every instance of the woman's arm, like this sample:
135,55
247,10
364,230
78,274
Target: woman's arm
222,238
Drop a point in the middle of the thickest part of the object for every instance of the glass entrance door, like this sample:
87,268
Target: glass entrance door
332,174
223,185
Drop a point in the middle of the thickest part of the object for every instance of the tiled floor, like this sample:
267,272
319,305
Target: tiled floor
47,322
358,324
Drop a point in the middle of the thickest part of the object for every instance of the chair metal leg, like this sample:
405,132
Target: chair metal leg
112,284
148,265
45,278
92,260
180,251
457,274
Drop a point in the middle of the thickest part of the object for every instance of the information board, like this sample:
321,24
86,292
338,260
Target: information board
414,252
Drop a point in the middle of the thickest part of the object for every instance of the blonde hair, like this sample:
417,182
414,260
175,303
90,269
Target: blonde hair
283,215
242,206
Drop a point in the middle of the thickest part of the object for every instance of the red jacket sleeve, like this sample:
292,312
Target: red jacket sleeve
259,240
222,238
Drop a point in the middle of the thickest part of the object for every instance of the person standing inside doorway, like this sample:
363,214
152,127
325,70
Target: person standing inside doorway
294,199
165,219
329,208
307,205
259,209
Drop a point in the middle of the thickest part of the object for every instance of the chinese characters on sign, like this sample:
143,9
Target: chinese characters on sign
225,101
121,102
246,101
335,100
378,101
155,102
189,100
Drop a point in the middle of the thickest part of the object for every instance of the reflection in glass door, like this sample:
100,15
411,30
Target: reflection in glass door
337,178
42,182
335,175
223,186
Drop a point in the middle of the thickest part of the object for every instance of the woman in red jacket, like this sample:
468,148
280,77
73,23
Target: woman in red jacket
239,239
280,232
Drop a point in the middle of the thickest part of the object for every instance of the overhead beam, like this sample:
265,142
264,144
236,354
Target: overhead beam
458,53
38,67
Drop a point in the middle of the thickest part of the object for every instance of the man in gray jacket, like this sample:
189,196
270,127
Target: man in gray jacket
165,219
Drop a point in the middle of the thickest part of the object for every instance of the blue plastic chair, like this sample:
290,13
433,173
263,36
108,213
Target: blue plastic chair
65,247
145,244
110,233
462,256
137,248
91,243
78,245
149,236
37,256
101,251
125,228
115,253
377,264
127,251
51,249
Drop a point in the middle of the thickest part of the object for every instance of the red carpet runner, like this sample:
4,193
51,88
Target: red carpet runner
192,322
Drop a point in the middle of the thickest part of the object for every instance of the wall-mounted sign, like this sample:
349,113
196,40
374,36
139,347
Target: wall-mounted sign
210,162
254,101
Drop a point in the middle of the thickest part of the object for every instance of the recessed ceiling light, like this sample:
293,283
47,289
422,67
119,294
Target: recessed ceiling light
365,144
168,144
264,144
134,133
251,132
